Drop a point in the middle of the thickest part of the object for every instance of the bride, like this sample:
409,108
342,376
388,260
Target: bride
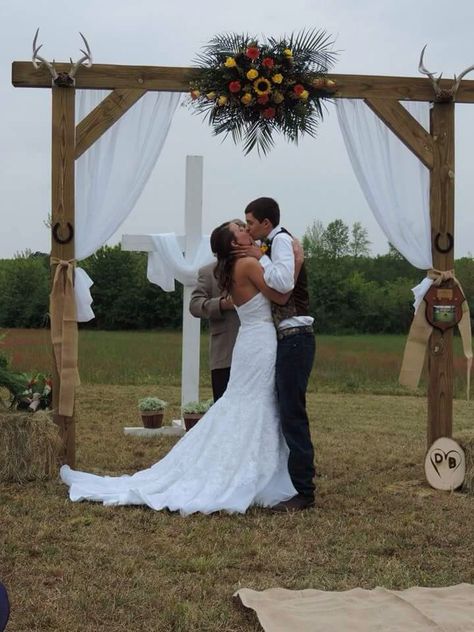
236,455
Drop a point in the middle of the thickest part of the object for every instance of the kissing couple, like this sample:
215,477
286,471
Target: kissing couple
253,446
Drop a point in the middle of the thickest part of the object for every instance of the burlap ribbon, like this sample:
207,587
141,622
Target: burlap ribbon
420,332
64,333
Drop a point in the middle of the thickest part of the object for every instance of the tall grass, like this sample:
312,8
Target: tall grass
346,364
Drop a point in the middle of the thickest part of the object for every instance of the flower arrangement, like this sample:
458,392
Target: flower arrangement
149,404
250,89
197,408
37,394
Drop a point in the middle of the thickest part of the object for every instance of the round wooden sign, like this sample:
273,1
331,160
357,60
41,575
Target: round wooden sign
445,464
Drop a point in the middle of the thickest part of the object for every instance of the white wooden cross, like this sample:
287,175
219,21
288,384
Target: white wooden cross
189,244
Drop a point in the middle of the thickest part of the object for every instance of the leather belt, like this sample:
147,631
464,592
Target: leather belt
292,331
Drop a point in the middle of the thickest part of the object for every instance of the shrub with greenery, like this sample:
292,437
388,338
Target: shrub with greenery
148,404
200,407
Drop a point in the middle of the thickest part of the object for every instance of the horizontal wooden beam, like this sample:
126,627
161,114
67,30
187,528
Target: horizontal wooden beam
175,79
405,127
103,117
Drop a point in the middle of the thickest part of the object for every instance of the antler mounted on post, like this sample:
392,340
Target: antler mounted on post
62,79
442,95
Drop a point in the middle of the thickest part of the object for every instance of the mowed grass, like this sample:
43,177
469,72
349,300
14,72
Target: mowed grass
82,567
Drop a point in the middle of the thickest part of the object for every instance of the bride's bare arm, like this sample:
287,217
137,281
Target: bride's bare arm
299,256
254,272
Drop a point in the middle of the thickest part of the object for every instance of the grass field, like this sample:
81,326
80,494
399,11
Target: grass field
88,568
348,364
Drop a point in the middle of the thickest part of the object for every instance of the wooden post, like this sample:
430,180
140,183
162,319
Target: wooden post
440,352
62,213
191,326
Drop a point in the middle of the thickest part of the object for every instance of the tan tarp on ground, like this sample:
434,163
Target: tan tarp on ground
416,609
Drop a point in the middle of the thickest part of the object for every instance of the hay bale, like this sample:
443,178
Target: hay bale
466,441
29,446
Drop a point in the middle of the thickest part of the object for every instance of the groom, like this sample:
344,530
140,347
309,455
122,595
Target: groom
296,343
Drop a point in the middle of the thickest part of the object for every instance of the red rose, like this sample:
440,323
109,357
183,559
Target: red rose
268,62
268,113
252,52
262,99
234,86
298,89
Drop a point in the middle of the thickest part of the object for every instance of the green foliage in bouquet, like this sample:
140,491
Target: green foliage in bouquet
251,89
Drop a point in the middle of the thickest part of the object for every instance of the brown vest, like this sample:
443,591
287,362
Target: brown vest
298,303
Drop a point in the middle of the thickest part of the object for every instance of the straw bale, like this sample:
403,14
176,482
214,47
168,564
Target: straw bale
29,446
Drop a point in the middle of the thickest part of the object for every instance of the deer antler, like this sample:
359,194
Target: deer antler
87,58
457,80
426,72
38,61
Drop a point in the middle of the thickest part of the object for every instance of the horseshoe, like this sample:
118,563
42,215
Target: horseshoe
56,236
448,247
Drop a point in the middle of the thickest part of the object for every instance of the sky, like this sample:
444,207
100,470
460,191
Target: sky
311,181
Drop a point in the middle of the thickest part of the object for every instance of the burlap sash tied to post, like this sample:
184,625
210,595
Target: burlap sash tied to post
420,332
64,333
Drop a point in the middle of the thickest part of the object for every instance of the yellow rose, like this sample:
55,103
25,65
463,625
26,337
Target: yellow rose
278,78
304,95
252,74
246,98
288,52
222,100
277,97
230,62
211,95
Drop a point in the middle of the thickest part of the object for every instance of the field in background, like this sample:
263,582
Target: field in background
346,364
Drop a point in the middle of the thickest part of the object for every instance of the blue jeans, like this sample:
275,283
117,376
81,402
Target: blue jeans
295,356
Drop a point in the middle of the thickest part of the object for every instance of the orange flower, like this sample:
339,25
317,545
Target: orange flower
252,52
298,89
268,62
234,86
269,113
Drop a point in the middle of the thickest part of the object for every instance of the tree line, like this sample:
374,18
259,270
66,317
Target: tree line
350,290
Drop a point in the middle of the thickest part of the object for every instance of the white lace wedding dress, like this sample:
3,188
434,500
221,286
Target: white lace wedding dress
233,458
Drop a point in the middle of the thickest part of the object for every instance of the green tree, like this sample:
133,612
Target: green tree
335,239
359,244
313,239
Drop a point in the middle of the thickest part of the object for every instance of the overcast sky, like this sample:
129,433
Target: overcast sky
311,181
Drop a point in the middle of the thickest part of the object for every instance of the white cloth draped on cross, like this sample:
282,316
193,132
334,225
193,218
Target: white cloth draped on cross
167,263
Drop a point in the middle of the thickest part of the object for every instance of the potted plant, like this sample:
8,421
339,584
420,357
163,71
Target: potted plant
193,411
152,411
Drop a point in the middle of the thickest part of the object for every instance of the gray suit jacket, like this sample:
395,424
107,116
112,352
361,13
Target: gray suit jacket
223,325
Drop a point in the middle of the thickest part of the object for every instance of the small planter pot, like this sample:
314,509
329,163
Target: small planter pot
191,419
152,418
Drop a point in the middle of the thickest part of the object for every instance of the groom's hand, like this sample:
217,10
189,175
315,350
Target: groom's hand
252,250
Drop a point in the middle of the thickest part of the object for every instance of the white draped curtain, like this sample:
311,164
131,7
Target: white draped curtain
394,181
111,175
167,263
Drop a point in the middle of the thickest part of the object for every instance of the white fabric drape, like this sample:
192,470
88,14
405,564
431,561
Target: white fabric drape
394,181
166,263
111,175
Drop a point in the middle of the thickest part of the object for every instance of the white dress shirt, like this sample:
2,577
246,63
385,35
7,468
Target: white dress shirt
279,272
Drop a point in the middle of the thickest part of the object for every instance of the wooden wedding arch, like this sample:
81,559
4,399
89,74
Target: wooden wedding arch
381,93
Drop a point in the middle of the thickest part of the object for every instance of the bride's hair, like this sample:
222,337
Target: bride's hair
223,243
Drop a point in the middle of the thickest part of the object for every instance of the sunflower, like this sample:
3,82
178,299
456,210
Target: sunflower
262,86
